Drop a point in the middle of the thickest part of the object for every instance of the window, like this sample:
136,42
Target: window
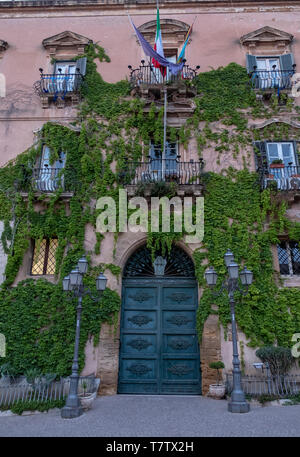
289,257
43,262
159,76
49,178
162,167
281,151
65,73
65,80
271,72
278,165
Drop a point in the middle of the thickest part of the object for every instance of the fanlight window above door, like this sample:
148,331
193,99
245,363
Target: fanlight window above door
178,264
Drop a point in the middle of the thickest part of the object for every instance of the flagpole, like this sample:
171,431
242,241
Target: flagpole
165,131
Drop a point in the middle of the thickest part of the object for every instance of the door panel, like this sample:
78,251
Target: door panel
139,320
179,320
159,351
137,344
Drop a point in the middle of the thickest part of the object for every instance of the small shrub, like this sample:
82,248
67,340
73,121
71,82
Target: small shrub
265,398
32,375
279,358
217,366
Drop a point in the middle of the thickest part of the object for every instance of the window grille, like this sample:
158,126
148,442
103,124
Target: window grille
289,257
44,257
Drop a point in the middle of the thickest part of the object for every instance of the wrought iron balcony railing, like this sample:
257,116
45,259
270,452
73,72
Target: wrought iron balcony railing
149,75
274,79
58,84
48,180
168,170
283,179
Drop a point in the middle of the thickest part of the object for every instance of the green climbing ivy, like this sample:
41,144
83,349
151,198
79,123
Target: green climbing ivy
110,130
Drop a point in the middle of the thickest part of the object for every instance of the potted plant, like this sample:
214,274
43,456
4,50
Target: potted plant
277,163
217,390
8,373
88,395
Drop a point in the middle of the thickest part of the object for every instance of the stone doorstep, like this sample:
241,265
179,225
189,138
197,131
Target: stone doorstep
8,413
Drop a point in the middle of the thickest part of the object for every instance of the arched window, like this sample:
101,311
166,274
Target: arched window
177,264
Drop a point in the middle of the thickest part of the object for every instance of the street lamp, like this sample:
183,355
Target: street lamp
238,402
74,283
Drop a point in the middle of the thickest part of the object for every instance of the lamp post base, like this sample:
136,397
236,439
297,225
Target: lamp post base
238,407
70,412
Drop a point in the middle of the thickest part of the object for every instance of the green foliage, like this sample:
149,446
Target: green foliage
43,319
280,359
222,93
217,365
32,405
110,130
235,215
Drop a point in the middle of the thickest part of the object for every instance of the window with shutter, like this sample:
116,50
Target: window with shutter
271,72
49,176
260,151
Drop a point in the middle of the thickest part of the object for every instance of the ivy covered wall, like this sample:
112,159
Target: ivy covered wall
36,316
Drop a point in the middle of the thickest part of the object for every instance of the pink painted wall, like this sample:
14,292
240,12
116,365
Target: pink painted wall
215,42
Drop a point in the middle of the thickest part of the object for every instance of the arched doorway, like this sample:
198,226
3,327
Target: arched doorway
159,350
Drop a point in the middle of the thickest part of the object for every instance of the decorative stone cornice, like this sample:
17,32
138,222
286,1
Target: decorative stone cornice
276,120
65,41
266,35
3,47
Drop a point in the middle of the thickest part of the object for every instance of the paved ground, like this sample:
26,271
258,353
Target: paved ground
158,416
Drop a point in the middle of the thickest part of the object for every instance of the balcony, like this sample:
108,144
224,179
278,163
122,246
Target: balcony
147,81
58,88
285,178
187,176
47,181
274,80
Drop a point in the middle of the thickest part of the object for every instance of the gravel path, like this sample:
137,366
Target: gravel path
158,416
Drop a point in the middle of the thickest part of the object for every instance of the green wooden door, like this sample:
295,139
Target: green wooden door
159,351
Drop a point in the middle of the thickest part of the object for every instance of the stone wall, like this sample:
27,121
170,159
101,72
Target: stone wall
210,351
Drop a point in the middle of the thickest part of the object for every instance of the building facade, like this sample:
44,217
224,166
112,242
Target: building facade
50,53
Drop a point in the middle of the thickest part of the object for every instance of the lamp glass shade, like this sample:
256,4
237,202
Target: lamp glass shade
233,270
228,257
82,265
75,277
211,276
101,282
66,283
246,277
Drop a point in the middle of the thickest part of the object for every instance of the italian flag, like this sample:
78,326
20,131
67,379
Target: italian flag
158,46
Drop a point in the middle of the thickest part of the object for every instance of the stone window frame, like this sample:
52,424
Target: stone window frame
173,33
267,41
63,47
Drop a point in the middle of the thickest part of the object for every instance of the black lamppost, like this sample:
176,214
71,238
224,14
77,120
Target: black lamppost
74,283
238,402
